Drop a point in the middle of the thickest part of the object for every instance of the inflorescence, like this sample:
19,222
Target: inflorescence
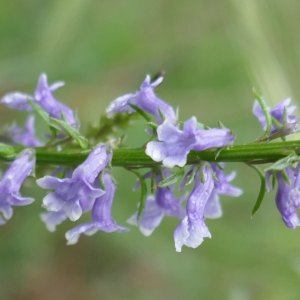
77,188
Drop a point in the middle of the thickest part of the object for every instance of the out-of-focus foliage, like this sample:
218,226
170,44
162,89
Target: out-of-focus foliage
214,52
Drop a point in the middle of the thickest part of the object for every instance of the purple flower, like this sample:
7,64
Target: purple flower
42,96
53,218
288,198
146,100
101,215
71,191
163,203
11,182
213,207
24,135
192,229
278,113
175,144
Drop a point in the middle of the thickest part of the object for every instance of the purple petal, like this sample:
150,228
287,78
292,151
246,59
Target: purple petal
73,235
50,182
22,167
24,136
258,112
190,126
150,103
290,125
150,218
175,144
284,202
17,101
6,210
53,202
192,229
156,150
146,100
93,165
121,105
213,208
52,219
213,138
18,200
101,215
73,210
169,204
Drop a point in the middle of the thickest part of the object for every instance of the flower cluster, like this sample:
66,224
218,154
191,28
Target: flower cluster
43,97
86,185
73,192
173,146
282,114
288,178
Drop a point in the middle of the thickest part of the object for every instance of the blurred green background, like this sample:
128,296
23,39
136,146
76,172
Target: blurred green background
214,52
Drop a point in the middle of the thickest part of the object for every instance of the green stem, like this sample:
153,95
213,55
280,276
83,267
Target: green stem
255,153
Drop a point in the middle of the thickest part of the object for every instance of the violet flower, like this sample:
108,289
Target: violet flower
213,207
278,113
24,135
70,192
101,215
192,229
288,198
157,206
11,181
146,100
42,96
175,144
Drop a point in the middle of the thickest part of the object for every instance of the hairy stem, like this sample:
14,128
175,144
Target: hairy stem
254,153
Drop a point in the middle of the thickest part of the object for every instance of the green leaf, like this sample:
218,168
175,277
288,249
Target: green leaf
161,114
200,125
40,111
152,125
157,75
143,194
202,177
172,179
46,118
221,125
276,123
283,163
267,115
273,181
192,175
7,151
262,189
286,177
218,151
140,112
72,132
